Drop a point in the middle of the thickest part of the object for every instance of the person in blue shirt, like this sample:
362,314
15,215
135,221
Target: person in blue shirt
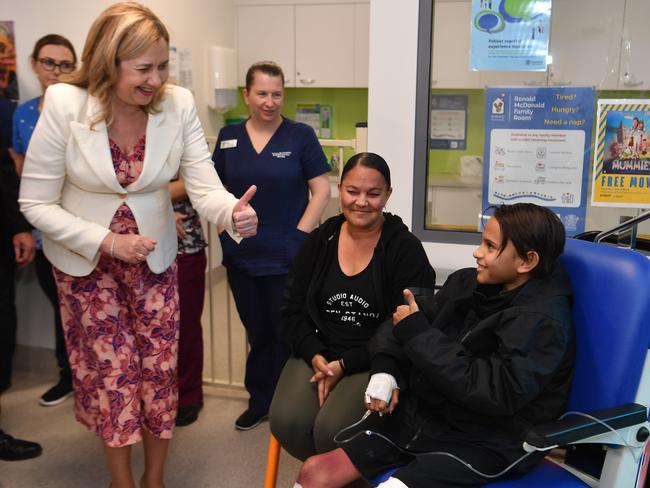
52,57
286,162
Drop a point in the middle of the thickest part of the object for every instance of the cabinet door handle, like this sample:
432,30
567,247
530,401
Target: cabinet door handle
627,81
307,81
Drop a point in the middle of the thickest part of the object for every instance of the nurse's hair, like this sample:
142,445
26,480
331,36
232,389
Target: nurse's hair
53,40
369,160
531,227
121,32
267,67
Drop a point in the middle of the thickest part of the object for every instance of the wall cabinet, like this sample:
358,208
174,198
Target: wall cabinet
451,42
634,70
319,45
451,51
266,32
325,45
361,43
585,42
454,204
600,43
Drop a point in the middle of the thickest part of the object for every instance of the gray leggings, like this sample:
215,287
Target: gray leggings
303,428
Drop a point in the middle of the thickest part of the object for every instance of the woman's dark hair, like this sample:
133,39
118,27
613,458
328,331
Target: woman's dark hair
532,228
56,40
369,160
267,67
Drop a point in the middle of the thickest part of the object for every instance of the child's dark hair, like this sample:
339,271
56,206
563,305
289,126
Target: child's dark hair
532,228
369,160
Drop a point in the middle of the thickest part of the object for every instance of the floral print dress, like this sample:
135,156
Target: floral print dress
121,329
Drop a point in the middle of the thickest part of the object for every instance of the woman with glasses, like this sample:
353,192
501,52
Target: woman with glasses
52,57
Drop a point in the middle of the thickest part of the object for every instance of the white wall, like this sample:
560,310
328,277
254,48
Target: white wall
391,115
193,24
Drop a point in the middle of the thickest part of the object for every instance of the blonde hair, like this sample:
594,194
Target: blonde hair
121,32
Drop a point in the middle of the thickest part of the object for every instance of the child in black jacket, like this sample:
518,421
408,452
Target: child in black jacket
489,356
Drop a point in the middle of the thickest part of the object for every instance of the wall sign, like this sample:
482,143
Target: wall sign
448,122
537,148
621,176
510,35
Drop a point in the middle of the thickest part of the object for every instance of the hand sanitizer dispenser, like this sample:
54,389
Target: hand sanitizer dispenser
222,68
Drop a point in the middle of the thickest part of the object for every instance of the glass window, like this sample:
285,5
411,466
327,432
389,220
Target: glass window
592,43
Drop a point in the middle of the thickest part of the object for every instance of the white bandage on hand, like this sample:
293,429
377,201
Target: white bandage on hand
380,387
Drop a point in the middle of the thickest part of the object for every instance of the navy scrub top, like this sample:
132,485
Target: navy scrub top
292,156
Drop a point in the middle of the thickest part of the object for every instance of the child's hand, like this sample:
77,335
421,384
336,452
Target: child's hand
382,393
381,407
404,311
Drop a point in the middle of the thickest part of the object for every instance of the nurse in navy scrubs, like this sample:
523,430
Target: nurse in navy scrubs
286,162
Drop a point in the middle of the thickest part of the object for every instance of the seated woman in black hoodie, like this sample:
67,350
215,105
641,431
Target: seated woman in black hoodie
490,355
347,279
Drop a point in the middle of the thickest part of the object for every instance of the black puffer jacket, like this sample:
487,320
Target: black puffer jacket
399,261
484,362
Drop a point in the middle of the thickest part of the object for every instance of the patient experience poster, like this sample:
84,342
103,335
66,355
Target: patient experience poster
510,35
537,149
621,176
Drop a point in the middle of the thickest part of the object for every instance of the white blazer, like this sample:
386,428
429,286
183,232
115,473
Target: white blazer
70,192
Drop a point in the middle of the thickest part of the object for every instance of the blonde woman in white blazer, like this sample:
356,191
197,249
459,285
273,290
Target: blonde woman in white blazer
95,182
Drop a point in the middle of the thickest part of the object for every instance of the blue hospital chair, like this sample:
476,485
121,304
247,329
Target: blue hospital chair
611,311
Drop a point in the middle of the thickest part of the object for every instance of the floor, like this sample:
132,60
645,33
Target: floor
207,454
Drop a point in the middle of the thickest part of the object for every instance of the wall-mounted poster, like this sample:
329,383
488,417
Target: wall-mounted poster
510,35
180,67
8,78
621,176
448,122
317,116
537,149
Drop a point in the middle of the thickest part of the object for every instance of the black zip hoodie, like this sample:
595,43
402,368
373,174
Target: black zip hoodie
399,261
485,363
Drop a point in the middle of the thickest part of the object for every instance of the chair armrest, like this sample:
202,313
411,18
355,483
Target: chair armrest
575,427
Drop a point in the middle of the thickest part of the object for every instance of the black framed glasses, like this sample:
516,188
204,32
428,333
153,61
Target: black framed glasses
49,64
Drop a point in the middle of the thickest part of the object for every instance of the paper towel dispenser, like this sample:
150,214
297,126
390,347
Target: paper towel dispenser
222,69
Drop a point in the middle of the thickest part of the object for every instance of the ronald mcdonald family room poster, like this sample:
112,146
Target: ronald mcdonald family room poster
621,175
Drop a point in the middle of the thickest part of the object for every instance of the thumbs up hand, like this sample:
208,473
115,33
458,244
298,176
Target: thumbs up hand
404,311
244,218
